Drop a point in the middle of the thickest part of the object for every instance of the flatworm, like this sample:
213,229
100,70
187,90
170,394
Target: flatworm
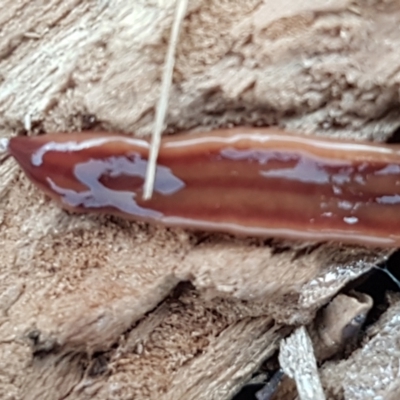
248,181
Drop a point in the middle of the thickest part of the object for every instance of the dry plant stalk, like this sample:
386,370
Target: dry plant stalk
162,106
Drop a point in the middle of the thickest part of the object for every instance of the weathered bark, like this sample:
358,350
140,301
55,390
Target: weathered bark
95,306
372,370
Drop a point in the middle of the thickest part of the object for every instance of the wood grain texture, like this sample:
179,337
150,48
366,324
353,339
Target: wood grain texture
324,67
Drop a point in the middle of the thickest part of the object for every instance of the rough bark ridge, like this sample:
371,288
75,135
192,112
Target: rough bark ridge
97,307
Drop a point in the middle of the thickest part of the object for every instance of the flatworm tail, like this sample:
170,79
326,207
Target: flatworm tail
259,182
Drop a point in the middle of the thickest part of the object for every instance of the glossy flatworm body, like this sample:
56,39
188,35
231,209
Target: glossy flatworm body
258,182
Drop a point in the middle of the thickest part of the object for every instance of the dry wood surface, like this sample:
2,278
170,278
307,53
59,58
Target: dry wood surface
95,307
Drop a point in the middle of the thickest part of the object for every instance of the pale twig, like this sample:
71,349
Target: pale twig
162,105
297,360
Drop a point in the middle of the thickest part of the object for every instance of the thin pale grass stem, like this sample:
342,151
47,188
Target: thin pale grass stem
161,111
